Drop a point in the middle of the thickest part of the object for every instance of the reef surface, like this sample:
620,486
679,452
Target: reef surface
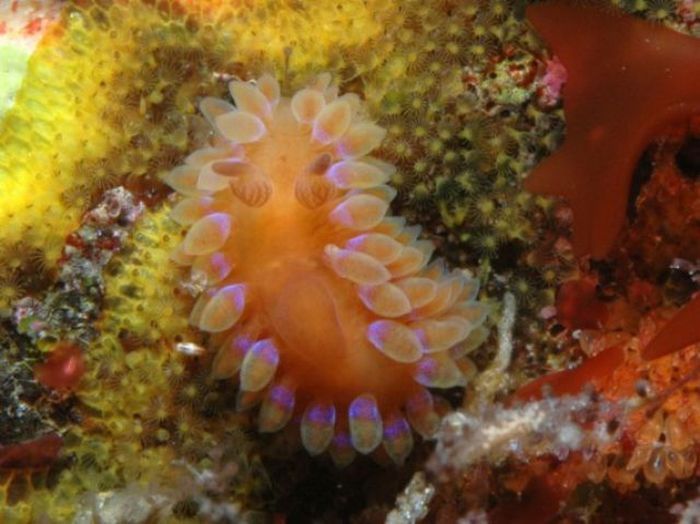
217,227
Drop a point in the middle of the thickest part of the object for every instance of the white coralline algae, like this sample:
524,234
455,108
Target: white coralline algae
412,504
550,426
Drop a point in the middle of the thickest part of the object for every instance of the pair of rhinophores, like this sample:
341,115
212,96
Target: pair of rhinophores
325,308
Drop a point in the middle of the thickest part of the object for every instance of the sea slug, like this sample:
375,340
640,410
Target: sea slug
325,308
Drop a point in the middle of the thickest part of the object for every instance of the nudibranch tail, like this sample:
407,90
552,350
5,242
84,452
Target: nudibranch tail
325,309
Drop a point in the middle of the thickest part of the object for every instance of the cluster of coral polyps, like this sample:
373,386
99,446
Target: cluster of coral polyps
325,306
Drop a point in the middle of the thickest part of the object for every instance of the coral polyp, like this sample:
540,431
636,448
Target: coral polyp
324,307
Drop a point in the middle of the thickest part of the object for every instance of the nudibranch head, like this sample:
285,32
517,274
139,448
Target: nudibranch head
325,309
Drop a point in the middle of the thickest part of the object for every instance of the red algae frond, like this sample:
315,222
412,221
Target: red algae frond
35,454
681,331
324,306
630,83
628,80
578,306
63,369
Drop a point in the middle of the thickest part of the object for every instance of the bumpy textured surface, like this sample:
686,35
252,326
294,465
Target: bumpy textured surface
136,283
323,304
462,134
458,98
110,92
110,97
468,98
617,313
145,410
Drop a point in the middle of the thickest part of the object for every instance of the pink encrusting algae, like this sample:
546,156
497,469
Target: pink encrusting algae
325,308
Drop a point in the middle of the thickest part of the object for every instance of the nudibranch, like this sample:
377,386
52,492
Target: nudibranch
628,81
325,309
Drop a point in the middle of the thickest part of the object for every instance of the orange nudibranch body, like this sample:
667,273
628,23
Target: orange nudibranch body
325,307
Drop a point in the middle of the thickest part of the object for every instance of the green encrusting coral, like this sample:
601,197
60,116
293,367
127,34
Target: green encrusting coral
464,126
110,96
148,415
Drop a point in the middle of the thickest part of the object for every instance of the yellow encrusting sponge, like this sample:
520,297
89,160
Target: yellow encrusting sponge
110,93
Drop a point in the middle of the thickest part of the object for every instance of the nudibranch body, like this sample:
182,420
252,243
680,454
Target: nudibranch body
324,307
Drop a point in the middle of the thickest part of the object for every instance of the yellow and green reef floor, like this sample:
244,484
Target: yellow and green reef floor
550,362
